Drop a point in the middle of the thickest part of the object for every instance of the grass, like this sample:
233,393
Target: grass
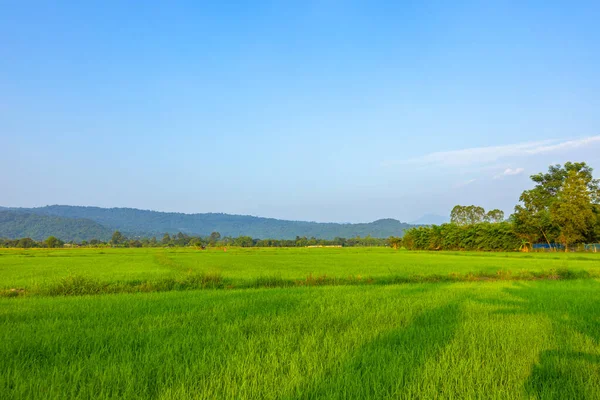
98,271
281,339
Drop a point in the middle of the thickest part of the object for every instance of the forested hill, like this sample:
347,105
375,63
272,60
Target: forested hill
152,223
18,224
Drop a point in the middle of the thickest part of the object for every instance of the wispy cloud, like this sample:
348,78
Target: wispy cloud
463,184
482,155
510,172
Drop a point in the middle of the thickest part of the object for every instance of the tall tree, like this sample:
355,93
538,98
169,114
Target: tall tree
458,215
494,216
533,218
214,238
475,214
467,215
117,238
551,182
572,210
52,242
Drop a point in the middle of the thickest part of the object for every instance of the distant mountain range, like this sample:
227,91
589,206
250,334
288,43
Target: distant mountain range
18,224
85,223
431,219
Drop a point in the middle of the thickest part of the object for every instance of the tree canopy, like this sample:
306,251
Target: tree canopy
562,207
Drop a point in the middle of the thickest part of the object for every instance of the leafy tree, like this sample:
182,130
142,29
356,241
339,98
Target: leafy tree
594,234
214,238
134,243
166,239
26,243
52,242
117,238
395,242
301,241
494,216
180,239
197,242
458,215
467,215
475,214
572,210
551,183
533,219
244,241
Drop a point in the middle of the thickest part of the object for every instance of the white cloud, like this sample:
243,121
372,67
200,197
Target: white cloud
510,172
463,184
569,144
482,155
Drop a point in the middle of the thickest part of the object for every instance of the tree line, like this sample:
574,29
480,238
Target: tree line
118,239
562,210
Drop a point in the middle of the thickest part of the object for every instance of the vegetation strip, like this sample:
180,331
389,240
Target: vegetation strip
77,285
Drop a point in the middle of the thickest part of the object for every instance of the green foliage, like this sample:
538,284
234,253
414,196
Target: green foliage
563,206
117,239
483,236
52,242
560,207
243,241
550,183
395,242
494,216
26,243
467,215
183,240
214,238
572,210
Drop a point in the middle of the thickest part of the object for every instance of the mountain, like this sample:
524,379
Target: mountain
136,222
18,224
431,219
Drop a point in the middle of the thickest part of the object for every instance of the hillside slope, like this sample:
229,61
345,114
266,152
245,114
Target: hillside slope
153,223
18,224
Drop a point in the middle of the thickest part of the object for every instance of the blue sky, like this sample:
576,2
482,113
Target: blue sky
310,110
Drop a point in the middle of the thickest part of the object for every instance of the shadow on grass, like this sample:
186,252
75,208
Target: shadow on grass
555,377
389,365
566,372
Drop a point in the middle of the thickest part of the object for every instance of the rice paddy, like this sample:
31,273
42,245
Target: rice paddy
382,324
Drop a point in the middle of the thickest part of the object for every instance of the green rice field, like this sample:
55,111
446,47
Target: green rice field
341,323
